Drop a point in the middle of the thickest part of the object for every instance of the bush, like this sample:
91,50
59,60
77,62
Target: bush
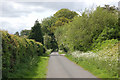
47,41
17,51
103,63
92,27
48,51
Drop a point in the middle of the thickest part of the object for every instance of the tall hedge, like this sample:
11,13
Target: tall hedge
18,50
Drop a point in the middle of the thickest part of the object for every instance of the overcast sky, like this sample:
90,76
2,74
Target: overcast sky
17,16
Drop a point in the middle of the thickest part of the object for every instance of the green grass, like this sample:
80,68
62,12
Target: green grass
42,68
19,56
99,66
60,52
38,69
100,73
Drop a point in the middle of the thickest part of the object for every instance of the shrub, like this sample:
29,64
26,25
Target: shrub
18,50
103,58
92,27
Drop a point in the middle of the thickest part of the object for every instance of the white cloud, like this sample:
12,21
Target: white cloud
18,16
90,1
23,22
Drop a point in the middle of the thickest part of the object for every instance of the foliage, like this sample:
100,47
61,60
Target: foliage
18,51
85,31
50,24
16,33
41,70
37,70
104,45
96,30
110,8
47,41
48,51
25,33
49,38
119,18
65,13
54,43
50,42
63,16
61,52
103,63
47,23
36,32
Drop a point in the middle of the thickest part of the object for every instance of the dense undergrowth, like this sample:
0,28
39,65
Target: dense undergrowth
37,70
19,55
103,63
86,31
92,40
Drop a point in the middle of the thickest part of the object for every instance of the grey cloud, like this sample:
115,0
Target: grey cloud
58,5
7,26
9,11
11,28
4,23
70,5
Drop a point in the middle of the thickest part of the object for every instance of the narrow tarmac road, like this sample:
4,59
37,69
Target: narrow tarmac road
61,67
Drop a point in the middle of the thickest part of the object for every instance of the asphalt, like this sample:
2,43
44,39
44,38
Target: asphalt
60,67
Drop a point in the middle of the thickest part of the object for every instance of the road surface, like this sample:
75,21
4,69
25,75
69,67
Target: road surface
61,67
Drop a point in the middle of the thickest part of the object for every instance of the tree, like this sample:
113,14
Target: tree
17,33
47,41
50,24
25,32
65,13
47,23
36,32
60,18
110,8
85,31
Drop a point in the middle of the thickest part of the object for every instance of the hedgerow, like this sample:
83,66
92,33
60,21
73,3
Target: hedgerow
18,51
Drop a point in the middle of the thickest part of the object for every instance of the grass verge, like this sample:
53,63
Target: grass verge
37,69
99,73
42,68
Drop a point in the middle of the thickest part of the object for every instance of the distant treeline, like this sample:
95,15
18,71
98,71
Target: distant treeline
67,30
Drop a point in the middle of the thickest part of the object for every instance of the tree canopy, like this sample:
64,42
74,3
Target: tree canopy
25,32
36,32
65,13
85,31
16,33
